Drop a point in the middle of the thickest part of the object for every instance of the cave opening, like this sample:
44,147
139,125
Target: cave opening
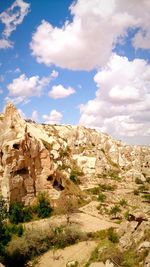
58,186
16,146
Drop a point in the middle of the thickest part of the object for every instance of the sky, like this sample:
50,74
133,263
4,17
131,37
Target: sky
78,62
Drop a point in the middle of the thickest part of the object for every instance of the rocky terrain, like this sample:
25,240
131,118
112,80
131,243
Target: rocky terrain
112,177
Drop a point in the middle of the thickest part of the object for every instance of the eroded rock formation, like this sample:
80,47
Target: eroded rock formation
31,154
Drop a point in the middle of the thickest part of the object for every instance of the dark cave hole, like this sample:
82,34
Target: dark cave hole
50,178
58,186
21,171
16,146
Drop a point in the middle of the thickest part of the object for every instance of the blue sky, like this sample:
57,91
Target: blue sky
83,62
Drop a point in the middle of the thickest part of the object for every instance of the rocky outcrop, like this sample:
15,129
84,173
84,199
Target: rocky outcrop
25,164
31,155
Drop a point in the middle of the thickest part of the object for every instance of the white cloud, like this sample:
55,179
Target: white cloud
34,115
1,91
97,26
11,18
5,44
22,88
122,103
58,91
53,118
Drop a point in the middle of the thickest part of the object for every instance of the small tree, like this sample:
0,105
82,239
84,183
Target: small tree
67,205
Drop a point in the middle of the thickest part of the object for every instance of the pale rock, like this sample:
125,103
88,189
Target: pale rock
108,263
55,154
144,245
97,264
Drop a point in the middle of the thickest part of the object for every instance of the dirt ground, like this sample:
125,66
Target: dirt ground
88,220
79,252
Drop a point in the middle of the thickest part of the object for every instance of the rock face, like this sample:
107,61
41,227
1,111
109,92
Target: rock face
25,163
31,154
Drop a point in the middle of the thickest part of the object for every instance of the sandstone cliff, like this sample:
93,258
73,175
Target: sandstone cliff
36,158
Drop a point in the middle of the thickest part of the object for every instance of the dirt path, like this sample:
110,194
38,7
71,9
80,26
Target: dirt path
79,252
85,222
88,220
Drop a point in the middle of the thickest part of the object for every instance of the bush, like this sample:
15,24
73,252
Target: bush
112,236
15,229
127,215
101,197
43,207
107,187
74,177
123,202
16,213
27,214
35,242
114,210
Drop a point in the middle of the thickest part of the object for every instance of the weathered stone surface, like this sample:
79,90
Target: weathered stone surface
30,154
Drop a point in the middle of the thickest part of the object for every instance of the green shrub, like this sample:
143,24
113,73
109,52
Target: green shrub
126,215
146,197
74,177
27,214
16,213
43,207
114,210
112,236
15,229
107,187
123,202
35,242
101,197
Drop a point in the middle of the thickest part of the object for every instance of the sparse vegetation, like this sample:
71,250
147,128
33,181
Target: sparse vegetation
146,197
35,242
101,197
43,207
67,204
115,210
123,202
112,236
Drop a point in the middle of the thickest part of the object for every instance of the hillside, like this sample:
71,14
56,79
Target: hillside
100,172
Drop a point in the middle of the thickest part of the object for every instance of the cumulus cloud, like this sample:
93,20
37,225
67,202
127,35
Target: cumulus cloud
97,26
53,118
22,88
11,18
58,91
122,103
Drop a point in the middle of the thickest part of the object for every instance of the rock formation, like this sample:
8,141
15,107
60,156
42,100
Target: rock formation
35,158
